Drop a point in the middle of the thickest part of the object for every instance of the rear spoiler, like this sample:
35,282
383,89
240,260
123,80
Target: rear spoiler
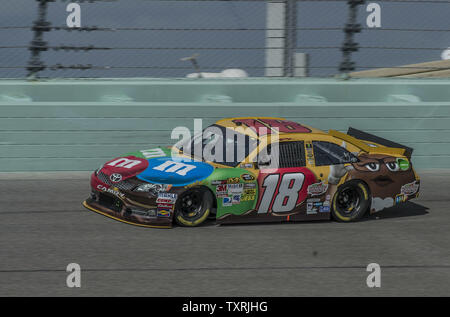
355,136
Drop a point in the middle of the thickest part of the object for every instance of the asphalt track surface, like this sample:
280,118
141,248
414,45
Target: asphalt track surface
43,228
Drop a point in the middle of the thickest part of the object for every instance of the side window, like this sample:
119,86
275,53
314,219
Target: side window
326,153
292,154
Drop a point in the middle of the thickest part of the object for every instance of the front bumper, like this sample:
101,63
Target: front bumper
127,207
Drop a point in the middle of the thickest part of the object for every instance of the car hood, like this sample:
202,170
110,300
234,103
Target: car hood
177,171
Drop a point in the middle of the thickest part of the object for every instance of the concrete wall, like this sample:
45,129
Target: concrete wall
79,124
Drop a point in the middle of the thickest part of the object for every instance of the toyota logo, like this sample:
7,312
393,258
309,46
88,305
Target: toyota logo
115,178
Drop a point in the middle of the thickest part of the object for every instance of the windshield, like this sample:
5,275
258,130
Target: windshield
219,145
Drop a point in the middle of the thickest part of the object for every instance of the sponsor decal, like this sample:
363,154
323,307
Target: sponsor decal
251,191
403,164
236,199
249,185
163,213
246,165
235,188
310,210
166,198
175,171
248,177
179,168
167,206
124,162
164,201
317,189
218,182
309,154
126,167
324,209
227,201
271,126
233,180
221,189
248,197
115,178
113,191
400,199
410,189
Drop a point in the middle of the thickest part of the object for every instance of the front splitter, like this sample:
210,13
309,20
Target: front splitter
85,204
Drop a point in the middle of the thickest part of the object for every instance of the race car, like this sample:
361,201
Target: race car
255,169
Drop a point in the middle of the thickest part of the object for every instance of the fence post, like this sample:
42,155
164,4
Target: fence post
290,42
38,45
349,46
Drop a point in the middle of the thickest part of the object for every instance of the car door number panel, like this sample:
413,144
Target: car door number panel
282,190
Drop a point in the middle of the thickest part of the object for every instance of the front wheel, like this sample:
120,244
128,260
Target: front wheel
351,201
193,207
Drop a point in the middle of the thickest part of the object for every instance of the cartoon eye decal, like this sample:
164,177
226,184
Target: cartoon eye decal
393,166
373,167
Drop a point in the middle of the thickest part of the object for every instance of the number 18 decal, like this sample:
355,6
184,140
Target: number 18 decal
285,199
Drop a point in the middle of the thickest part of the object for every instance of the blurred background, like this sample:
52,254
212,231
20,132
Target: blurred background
150,38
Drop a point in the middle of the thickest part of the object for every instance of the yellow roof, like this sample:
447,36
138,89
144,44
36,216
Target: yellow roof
296,131
251,126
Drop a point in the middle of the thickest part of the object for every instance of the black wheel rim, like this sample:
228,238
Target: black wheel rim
348,201
190,204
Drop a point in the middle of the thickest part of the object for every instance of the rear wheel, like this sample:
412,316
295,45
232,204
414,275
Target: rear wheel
351,201
193,207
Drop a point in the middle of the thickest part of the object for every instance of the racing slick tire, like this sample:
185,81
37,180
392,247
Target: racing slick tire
193,207
351,201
